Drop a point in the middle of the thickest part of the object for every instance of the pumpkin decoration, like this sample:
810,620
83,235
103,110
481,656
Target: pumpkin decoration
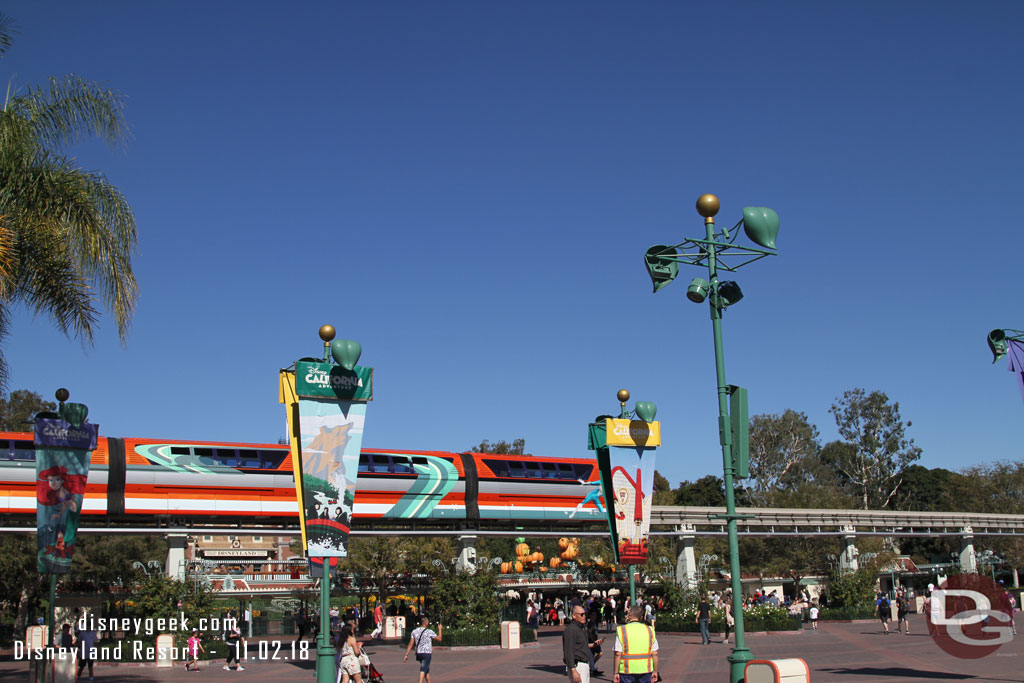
555,562
522,549
570,553
543,570
519,567
563,543
505,567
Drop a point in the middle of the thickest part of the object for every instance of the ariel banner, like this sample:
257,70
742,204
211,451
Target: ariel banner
330,437
62,467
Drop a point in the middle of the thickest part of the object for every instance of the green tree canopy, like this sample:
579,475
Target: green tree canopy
17,410
67,235
783,452
516,447
876,450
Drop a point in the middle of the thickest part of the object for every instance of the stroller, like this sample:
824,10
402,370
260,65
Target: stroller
370,672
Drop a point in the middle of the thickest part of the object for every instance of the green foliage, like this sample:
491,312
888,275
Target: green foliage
847,612
475,637
17,411
708,491
663,494
783,453
853,590
105,561
757,618
311,483
516,447
67,236
463,600
877,450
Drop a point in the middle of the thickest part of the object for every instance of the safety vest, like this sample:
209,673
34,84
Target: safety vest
637,640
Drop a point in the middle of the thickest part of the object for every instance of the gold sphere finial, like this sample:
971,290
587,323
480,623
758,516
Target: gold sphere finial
62,394
707,205
327,333
623,395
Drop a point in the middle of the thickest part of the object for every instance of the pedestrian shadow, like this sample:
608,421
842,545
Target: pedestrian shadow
549,668
914,674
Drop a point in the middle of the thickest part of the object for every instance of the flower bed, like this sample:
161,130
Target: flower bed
759,618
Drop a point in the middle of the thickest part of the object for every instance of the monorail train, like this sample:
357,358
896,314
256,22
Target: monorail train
212,481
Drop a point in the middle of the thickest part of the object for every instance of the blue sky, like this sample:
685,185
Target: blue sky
468,188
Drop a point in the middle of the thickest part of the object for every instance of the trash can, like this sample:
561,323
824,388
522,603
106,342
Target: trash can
777,671
510,635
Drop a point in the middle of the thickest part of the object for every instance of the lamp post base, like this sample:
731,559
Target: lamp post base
738,664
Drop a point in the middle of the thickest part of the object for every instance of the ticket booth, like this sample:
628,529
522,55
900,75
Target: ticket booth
777,671
510,635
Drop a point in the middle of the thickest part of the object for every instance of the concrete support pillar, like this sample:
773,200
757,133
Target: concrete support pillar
848,560
968,559
686,562
467,554
176,544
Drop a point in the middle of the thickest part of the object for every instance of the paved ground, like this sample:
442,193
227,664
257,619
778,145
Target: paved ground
847,653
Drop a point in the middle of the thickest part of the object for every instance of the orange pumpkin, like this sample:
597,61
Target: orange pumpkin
539,555
522,549
543,569
555,562
570,553
563,543
505,567
519,567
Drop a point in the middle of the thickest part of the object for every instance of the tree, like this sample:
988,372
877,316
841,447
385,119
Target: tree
66,235
517,447
708,491
464,599
662,491
783,449
877,450
17,411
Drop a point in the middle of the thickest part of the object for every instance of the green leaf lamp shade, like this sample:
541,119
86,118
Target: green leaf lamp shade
346,352
761,225
646,411
997,345
661,268
74,413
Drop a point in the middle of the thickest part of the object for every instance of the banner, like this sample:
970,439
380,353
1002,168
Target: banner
324,380
330,437
62,468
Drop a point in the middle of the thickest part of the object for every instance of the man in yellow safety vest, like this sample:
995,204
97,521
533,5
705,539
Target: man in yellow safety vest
636,650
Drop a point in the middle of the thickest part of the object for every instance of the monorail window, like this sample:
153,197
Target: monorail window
181,450
402,465
364,462
517,469
565,471
272,459
533,470
583,471
548,468
23,450
499,467
380,463
249,457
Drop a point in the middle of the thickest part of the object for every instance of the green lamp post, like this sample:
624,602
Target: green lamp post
719,251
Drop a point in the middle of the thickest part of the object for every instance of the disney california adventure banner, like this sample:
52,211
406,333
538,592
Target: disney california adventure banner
62,468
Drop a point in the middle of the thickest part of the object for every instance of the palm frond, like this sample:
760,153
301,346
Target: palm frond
7,33
72,109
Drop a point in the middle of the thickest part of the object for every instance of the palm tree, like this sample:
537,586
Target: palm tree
67,235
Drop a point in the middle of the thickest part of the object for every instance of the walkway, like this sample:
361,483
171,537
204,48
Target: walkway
843,653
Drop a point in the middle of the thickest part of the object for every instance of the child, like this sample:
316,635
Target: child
194,646
814,617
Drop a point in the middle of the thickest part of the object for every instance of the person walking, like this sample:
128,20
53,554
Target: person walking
884,611
300,623
704,620
576,646
814,616
903,614
234,642
347,656
730,621
423,639
378,621
86,651
193,647
636,650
